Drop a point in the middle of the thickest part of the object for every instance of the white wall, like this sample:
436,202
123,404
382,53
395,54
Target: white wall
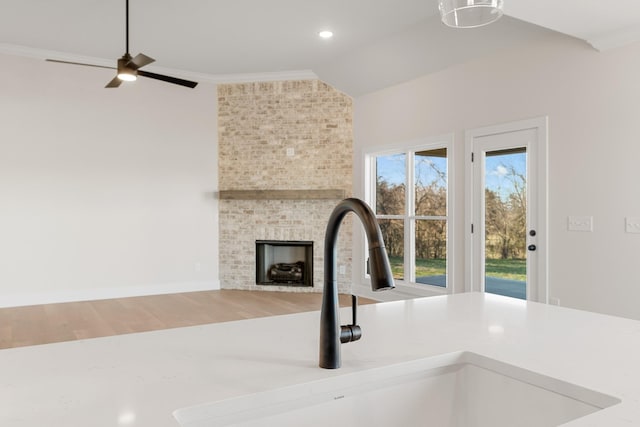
103,192
592,100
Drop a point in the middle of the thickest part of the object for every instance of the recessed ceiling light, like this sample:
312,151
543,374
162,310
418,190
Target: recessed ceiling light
325,34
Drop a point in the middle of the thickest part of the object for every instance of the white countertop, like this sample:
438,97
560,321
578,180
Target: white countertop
140,379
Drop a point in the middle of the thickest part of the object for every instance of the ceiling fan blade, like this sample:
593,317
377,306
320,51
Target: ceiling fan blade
168,79
114,83
79,63
140,61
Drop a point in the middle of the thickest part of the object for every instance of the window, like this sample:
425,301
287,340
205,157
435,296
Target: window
409,190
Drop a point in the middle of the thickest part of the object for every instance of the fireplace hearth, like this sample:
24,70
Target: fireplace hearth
284,263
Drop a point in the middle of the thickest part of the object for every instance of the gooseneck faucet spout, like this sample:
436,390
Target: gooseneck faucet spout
331,333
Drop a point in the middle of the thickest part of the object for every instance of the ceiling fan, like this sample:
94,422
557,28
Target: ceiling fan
129,67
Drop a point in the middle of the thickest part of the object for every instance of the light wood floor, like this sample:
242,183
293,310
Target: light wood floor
42,324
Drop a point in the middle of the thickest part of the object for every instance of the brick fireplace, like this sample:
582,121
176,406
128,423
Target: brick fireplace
285,161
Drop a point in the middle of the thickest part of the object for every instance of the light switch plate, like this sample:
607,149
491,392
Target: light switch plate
632,224
580,223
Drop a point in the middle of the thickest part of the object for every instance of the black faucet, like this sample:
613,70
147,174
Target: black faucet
331,333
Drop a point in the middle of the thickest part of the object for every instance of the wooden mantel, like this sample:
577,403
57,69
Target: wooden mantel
330,194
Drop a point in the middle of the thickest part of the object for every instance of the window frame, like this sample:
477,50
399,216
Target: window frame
409,217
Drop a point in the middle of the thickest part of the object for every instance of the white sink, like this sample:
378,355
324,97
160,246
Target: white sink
452,390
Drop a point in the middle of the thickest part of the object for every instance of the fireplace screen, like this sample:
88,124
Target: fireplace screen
284,262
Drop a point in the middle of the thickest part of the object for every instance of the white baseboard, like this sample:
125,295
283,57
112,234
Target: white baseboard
53,297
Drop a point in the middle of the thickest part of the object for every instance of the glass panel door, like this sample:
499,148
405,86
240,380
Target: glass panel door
505,222
506,205
507,215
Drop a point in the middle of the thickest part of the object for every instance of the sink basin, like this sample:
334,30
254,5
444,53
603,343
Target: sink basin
452,390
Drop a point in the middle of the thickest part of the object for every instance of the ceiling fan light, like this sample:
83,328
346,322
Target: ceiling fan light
126,73
127,76
470,13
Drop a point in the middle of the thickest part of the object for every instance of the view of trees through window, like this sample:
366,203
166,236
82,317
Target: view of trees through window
417,215
506,215
411,205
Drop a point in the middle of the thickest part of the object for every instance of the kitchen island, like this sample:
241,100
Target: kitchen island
141,379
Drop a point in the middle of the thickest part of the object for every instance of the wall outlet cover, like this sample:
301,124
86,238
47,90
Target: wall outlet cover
632,224
580,223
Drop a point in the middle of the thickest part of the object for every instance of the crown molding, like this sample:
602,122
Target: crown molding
28,52
614,39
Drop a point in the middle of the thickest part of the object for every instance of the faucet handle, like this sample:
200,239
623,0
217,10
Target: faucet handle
351,332
354,309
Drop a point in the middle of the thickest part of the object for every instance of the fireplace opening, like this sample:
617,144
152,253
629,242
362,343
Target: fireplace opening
284,262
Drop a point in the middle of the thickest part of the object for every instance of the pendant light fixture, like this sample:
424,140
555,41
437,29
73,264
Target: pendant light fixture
469,13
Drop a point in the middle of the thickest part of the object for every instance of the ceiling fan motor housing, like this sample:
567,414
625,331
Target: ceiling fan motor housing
125,71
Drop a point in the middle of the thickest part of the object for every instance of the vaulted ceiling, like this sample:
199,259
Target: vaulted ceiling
377,43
